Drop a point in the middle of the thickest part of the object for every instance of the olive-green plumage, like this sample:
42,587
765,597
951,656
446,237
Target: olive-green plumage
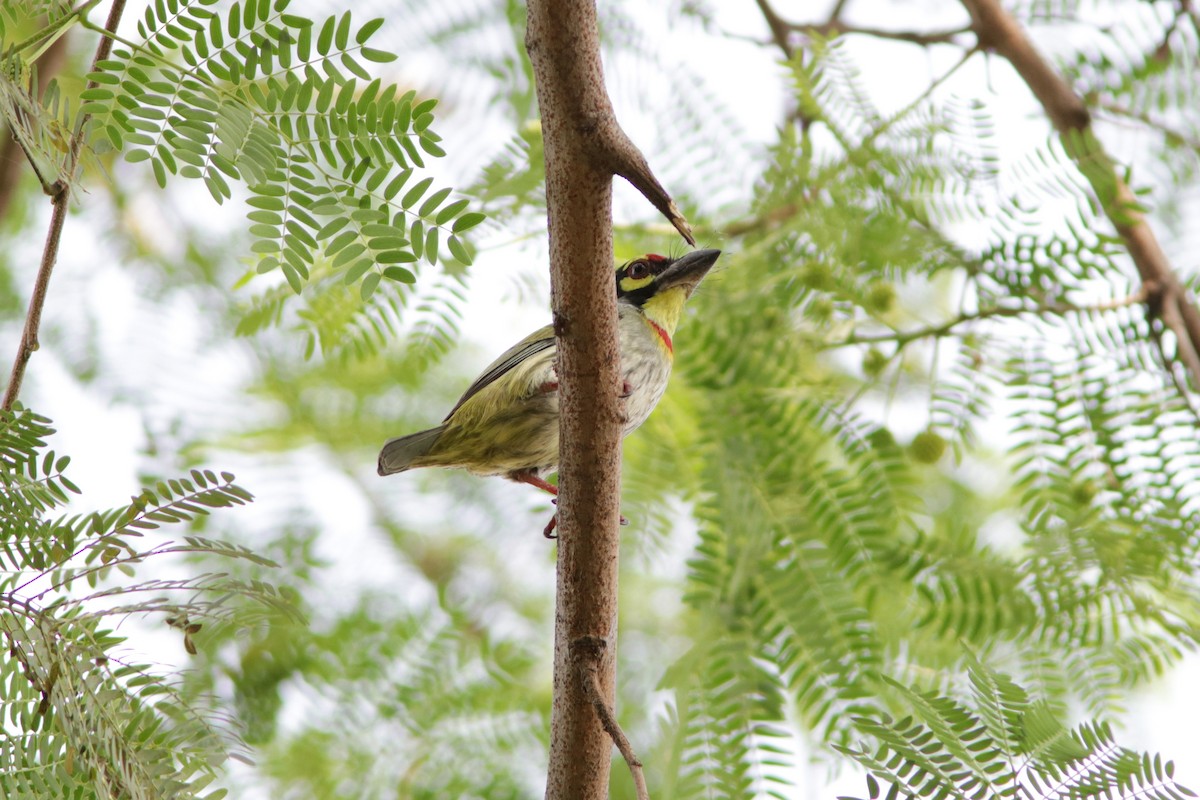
506,423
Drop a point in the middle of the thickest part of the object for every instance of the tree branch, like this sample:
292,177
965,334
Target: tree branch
588,654
782,30
584,148
624,159
1166,298
923,38
61,199
941,329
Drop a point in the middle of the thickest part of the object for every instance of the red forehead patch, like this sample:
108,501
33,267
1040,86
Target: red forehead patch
654,257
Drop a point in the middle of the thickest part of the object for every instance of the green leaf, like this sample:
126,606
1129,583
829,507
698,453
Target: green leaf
325,37
368,30
293,277
399,274
416,237
369,285
395,257
343,32
468,221
354,67
160,174
433,201
431,245
431,147
393,187
451,211
377,56
414,194
457,250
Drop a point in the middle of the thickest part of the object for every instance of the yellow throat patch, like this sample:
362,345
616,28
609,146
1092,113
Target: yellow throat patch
662,313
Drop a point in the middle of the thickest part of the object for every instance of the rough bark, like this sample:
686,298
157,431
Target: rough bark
585,148
575,108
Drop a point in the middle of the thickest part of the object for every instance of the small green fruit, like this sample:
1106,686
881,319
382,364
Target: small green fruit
927,447
874,362
817,276
820,310
881,439
880,297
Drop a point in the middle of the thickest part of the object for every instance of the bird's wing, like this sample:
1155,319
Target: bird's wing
536,342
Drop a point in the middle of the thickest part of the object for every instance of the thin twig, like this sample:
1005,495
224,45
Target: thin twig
940,330
61,201
588,652
1172,135
782,30
923,38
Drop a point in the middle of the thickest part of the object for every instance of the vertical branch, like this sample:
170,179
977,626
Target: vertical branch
60,192
1167,298
563,45
585,148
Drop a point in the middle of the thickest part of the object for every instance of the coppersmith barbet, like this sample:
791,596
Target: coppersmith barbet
506,422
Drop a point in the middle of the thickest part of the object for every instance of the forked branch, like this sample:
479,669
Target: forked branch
588,654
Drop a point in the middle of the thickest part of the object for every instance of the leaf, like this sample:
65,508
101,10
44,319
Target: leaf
457,250
325,37
377,56
369,285
399,274
368,30
467,221
433,201
343,32
414,194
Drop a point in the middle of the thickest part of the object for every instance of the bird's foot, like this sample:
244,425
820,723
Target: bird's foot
626,389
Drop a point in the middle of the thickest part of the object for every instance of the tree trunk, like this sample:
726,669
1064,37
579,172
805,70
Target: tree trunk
563,45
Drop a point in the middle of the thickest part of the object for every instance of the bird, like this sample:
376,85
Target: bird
506,422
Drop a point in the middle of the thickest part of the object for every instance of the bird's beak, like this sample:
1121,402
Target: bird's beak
688,270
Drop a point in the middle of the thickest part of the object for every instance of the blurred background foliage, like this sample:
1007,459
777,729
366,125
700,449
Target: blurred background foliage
925,468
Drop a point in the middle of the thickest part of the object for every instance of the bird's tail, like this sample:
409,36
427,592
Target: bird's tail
398,455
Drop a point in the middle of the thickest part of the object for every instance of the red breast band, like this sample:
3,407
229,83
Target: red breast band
662,334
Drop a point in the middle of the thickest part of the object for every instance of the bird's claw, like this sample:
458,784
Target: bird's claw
548,531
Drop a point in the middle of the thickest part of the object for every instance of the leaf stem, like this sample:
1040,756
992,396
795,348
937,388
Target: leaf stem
48,35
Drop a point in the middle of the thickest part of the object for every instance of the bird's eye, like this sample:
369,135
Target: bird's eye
638,270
